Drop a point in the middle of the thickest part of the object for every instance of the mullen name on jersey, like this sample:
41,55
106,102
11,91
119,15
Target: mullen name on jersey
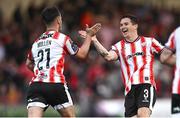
44,43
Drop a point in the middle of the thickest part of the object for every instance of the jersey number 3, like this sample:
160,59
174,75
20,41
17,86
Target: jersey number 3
43,58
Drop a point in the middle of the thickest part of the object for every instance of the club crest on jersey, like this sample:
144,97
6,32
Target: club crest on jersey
42,76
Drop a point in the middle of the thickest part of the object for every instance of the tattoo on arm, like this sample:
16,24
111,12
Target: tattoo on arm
102,51
104,54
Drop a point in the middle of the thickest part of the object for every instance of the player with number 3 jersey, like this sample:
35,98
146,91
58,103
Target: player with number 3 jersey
136,54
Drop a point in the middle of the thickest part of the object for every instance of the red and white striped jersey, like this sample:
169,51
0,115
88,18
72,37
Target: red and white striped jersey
48,53
174,44
136,60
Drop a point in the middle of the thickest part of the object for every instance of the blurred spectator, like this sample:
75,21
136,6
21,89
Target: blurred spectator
2,52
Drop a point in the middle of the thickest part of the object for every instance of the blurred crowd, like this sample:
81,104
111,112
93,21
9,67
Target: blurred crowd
89,80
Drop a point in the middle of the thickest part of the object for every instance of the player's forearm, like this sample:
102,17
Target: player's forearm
171,60
83,50
102,51
30,65
167,57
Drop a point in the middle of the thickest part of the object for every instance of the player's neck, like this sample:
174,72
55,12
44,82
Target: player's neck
132,37
51,29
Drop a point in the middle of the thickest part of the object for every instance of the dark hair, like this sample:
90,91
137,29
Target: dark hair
133,18
49,14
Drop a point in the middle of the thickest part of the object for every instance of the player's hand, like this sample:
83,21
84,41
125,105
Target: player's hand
90,31
93,30
82,34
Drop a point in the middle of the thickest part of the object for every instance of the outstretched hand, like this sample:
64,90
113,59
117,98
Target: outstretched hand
90,31
83,34
93,30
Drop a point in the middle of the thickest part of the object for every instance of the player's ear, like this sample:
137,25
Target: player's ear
136,26
58,19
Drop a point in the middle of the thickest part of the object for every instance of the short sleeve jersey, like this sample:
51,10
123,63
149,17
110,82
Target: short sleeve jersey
48,53
174,44
136,60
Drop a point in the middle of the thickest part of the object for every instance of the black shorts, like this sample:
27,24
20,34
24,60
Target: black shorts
45,94
142,95
175,104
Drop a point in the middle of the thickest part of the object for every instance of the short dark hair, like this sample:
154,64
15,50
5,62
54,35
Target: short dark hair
49,14
133,18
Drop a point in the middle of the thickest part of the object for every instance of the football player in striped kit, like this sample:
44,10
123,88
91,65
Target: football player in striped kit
46,60
136,56
173,43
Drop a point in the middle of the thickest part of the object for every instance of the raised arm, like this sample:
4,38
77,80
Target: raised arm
107,55
83,50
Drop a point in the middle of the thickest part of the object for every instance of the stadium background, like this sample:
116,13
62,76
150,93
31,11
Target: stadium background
95,85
